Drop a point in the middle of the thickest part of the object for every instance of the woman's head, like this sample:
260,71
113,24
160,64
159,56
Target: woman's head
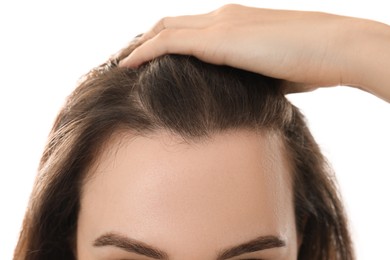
185,156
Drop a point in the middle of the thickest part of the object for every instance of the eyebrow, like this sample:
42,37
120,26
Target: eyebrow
141,248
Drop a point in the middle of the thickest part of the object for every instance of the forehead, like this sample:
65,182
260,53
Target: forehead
165,191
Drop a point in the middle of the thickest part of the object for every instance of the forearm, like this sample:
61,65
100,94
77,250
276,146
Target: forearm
368,65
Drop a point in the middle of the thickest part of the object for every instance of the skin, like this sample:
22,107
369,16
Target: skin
306,49
191,200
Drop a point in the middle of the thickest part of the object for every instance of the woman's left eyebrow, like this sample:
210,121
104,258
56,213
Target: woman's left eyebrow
254,245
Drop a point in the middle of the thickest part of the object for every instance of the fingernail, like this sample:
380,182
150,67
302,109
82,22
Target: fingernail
126,62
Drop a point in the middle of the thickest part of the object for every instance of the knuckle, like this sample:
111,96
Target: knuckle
164,35
226,13
165,21
161,24
228,8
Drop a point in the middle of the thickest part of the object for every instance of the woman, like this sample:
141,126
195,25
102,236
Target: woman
148,156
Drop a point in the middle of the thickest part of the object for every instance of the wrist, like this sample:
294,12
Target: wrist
367,56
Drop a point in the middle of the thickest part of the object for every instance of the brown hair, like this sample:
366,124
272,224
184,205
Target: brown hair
192,99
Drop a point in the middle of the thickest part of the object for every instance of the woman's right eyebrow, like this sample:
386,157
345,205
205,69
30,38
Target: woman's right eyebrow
141,248
130,245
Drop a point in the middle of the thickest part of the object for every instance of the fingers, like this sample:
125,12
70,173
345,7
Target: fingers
160,40
185,21
166,42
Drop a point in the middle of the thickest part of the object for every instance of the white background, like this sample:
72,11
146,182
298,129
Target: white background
46,46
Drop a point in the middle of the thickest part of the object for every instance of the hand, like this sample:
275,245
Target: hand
308,49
